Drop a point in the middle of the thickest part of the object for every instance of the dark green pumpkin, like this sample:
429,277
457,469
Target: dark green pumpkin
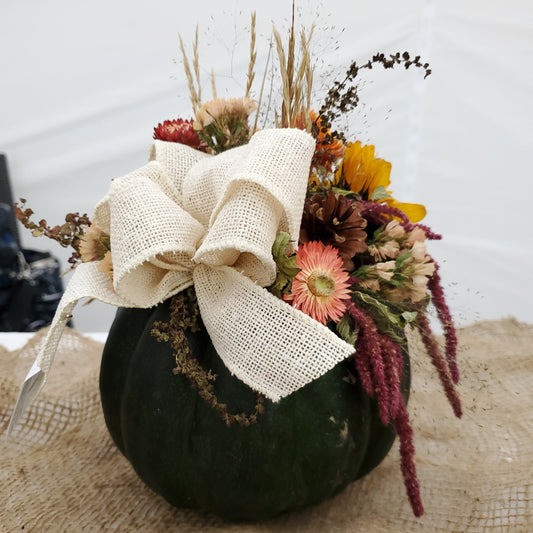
304,449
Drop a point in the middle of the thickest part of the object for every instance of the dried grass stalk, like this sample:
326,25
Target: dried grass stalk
296,86
307,72
253,56
194,95
196,64
285,107
260,99
213,84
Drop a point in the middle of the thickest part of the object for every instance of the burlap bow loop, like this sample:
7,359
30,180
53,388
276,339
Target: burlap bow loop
164,219
188,218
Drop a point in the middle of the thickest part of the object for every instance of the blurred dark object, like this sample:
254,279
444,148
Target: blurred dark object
30,280
6,197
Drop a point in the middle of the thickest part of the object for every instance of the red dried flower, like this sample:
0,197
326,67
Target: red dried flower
178,131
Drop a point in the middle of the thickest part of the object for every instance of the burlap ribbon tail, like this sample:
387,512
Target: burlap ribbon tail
189,218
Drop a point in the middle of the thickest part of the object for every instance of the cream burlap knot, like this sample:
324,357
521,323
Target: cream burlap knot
189,218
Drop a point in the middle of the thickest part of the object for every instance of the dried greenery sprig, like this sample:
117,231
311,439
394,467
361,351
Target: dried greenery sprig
67,235
184,316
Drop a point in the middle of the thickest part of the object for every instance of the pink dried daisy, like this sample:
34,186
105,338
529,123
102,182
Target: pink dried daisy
321,287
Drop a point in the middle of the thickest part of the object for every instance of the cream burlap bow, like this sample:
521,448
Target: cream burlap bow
189,218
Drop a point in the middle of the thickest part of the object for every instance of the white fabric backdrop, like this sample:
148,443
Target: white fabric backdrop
84,83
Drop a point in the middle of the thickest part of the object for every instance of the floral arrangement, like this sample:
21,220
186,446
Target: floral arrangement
360,266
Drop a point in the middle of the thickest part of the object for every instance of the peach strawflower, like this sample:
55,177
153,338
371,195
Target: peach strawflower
224,109
321,286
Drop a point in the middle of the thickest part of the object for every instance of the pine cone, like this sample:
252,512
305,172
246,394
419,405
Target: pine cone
336,220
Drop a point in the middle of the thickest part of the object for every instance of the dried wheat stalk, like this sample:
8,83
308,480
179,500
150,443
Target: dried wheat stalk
194,95
253,56
296,85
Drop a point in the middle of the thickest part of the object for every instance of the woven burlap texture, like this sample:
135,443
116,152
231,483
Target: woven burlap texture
190,218
60,470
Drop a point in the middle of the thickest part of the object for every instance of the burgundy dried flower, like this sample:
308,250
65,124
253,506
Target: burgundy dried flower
334,219
445,317
379,363
440,362
178,131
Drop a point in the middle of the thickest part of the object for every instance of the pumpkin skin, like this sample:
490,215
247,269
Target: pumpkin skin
304,448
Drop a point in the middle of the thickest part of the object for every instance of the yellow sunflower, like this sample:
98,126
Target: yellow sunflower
369,176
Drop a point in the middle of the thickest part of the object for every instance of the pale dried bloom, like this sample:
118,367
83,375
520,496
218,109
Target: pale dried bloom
106,267
221,108
419,251
385,270
390,249
425,268
396,295
416,235
420,281
394,230
417,293
94,244
372,284
421,274
418,289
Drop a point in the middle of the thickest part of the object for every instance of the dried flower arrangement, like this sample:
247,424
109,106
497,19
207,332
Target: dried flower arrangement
360,265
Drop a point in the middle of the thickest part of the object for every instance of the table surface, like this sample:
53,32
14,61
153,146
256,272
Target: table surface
14,341
60,471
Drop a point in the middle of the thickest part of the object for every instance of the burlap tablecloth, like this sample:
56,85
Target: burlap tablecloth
61,471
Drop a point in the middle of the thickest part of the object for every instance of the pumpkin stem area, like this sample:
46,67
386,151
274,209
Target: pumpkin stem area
184,316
